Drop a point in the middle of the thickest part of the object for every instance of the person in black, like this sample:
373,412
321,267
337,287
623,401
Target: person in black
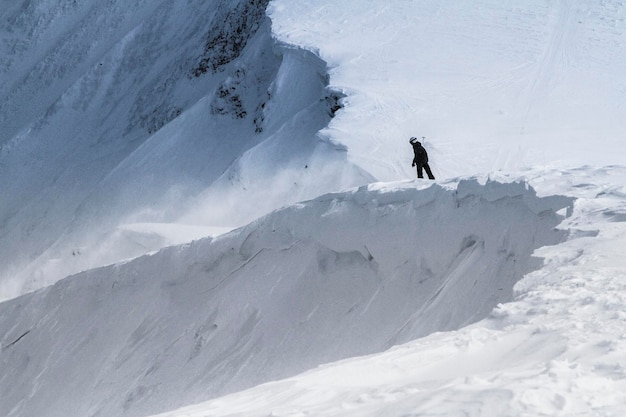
421,159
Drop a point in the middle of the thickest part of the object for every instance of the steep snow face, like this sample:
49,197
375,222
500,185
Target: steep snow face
557,349
342,275
115,114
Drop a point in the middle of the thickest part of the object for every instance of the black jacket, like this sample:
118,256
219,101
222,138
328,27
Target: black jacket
421,156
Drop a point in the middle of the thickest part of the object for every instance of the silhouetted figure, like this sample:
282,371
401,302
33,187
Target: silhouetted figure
421,159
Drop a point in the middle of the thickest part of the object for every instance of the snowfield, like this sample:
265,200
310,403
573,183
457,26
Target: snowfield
491,85
213,203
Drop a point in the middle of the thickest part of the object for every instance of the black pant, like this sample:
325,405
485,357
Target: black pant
427,169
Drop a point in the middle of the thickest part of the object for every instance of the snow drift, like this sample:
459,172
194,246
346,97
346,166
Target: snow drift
341,275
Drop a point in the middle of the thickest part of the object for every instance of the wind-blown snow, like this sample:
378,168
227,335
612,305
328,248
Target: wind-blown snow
303,286
159,112
129,134
128,128
558,350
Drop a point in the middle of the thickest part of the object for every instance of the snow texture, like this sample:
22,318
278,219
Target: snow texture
275,134
130,127
303,286
558,349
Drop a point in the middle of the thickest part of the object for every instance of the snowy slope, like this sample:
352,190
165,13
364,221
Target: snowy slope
558,350
492,85
100,163
114,114
93,109
306,285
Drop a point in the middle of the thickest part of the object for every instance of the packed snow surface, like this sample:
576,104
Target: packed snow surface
496,290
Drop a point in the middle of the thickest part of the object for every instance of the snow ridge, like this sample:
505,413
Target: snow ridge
129,127
557,349
277,297
134,135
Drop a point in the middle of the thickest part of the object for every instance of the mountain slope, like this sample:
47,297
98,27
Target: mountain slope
557,349
491,85
139,110
189,113
303,286
180,133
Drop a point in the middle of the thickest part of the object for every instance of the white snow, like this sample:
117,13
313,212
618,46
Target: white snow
491,85
127,133
559,349
389,296
303,286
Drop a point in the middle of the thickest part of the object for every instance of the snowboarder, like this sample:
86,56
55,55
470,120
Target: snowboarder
421,159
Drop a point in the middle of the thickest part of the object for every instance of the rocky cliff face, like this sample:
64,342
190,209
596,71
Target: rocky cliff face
229,36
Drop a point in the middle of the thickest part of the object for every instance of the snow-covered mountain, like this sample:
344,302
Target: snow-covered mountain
114,114
127,128
558,349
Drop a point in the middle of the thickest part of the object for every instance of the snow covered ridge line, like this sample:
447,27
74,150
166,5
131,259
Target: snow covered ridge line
342,275
558,349
176,113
